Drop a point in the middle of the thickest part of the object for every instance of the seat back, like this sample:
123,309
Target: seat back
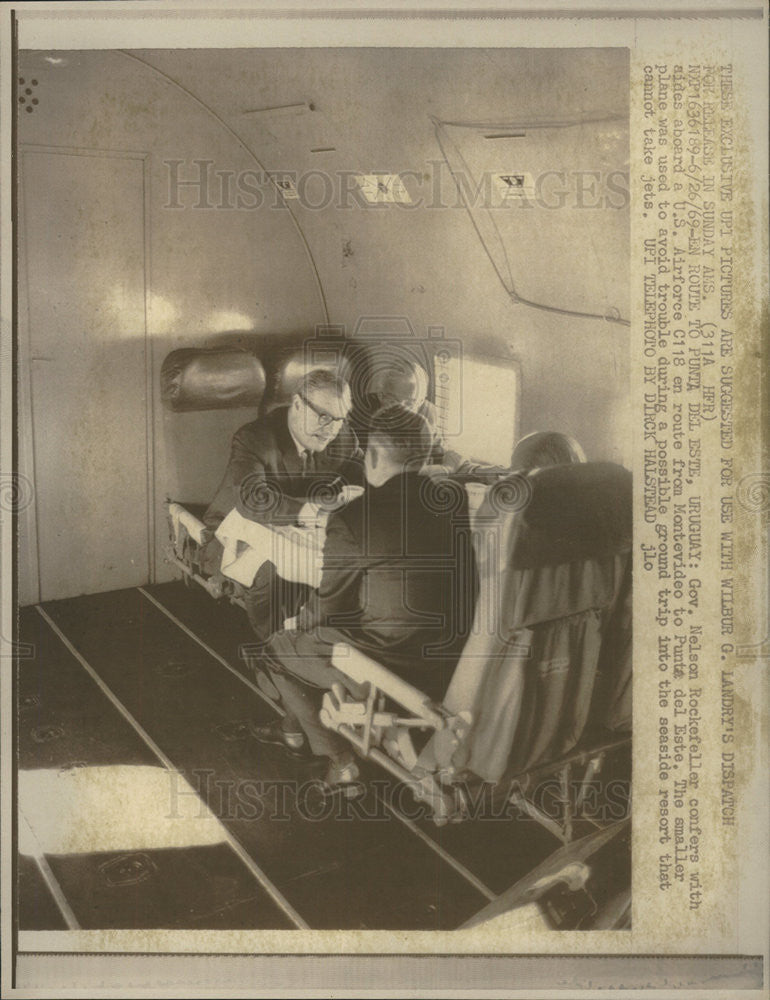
553,554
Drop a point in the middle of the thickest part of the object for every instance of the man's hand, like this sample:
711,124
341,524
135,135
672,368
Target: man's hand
308,515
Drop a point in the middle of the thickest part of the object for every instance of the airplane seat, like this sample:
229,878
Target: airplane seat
195,379
547,663
560,566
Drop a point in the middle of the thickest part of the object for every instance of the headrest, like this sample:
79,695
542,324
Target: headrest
216,378
568,513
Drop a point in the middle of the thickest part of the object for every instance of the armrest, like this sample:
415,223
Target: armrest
362,669
195,528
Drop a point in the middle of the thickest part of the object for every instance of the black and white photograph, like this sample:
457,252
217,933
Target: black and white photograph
325,575
383,499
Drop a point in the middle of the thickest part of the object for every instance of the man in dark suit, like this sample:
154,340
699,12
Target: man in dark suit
277,463
398,583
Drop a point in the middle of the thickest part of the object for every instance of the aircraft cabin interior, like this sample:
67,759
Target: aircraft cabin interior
443,235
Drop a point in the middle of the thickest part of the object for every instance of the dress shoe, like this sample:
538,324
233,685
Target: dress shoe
342,778
273,734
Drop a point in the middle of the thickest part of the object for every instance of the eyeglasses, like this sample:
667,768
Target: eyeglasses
324,419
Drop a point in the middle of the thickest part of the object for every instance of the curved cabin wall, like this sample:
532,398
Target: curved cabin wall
322,115
244,267
188,277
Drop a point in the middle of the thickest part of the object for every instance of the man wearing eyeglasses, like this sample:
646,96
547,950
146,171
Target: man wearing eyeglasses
279,462
399,583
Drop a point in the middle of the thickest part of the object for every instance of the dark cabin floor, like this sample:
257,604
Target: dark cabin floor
131,713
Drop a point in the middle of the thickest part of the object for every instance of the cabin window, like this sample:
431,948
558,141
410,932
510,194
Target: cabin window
477,400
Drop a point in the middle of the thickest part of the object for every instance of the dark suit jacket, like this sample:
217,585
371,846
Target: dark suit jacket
264,477
399,578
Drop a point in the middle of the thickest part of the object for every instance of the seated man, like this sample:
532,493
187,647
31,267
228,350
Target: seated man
275,462
406,384
399,583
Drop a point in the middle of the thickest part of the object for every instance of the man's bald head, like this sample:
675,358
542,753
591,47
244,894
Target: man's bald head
403,384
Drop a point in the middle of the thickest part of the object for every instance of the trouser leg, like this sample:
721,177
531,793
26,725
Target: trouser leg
303,703
301,669
270,600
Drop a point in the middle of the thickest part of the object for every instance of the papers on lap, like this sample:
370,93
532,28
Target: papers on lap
297,553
